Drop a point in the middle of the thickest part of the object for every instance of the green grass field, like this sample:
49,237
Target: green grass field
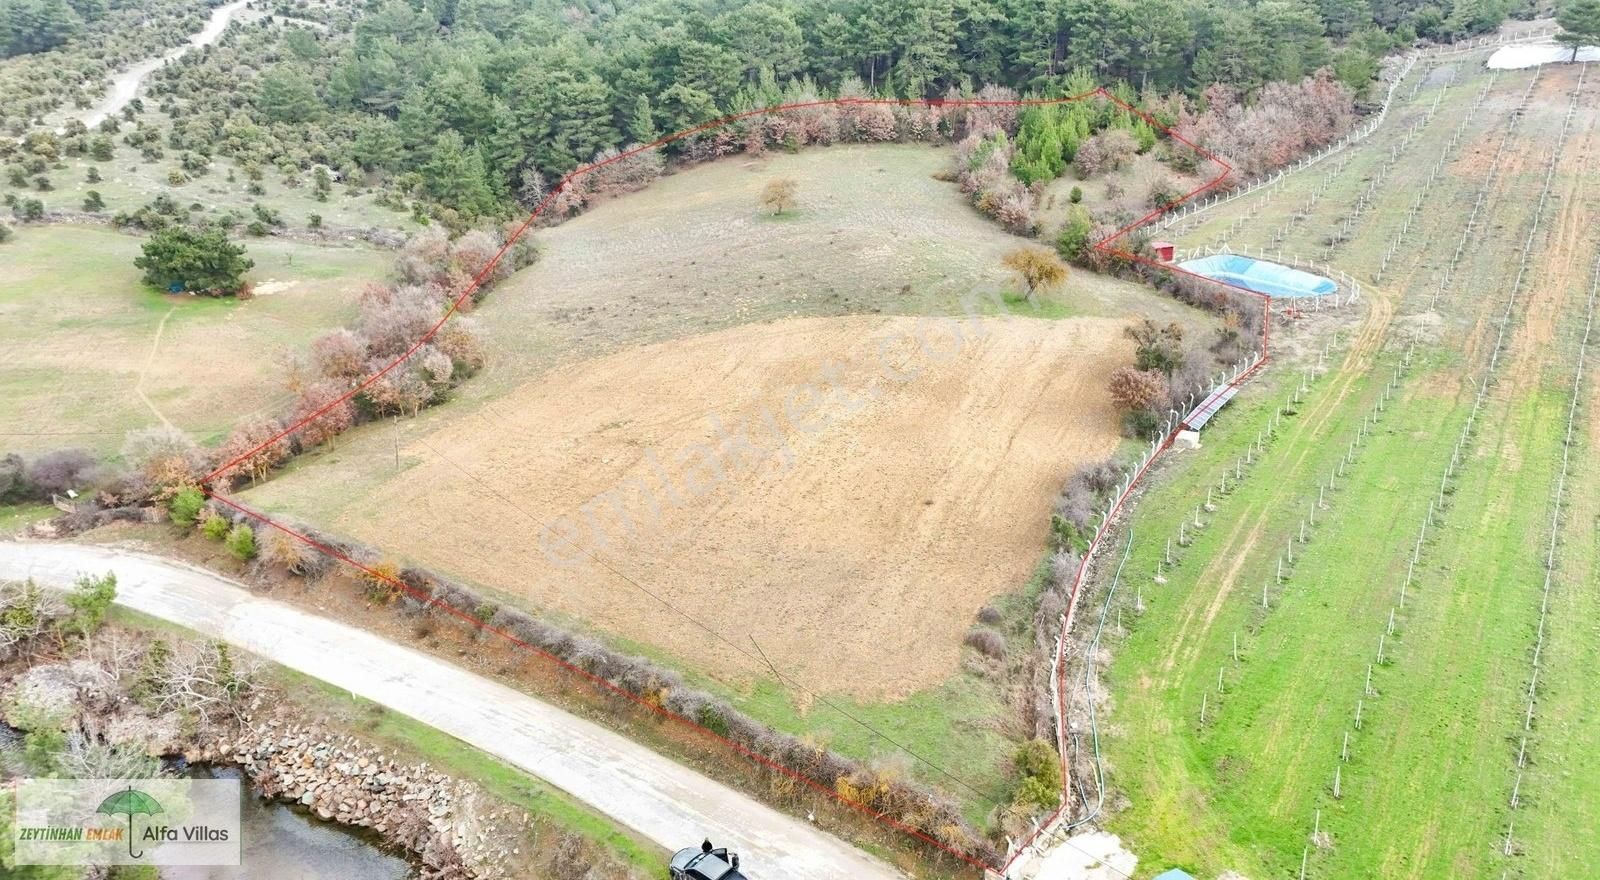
1426,788
92,353
16,517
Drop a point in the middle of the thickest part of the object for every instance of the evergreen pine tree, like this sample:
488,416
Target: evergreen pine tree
642,126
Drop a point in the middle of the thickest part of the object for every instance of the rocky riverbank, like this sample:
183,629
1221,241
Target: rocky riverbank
108,704
446,824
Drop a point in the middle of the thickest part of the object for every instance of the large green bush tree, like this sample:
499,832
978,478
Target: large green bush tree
199,261
90,599
185,506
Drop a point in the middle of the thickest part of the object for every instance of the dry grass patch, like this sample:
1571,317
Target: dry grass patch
863,498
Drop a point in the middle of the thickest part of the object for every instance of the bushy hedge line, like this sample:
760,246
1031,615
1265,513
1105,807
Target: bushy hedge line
650,685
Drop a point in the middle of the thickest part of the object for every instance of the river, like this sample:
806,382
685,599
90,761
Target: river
279,842
125,83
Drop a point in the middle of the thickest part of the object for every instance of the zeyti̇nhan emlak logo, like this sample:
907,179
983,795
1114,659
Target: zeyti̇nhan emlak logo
167,821
129,802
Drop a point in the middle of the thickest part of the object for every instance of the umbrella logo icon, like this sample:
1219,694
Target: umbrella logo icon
130,802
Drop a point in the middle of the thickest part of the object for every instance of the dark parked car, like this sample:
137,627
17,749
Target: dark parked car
705,863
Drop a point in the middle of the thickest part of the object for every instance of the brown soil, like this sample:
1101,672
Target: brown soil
1236,553
1477,159
854,555
1561,274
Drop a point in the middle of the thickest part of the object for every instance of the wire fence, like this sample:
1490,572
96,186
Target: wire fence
1543,30
1052,832
1055,830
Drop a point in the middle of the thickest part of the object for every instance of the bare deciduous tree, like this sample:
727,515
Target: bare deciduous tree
403,390
1283,122
89,758
392,322
203,678
339,355
257,446
63,469
1106,151
459,341
280,549
165,457
333,416
470,256
26,615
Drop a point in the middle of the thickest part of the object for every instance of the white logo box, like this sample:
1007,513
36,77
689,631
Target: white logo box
125,821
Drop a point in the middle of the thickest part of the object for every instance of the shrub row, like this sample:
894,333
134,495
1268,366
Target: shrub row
431,271
648,683
641,679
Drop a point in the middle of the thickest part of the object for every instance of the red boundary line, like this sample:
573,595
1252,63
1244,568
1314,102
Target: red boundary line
1104,245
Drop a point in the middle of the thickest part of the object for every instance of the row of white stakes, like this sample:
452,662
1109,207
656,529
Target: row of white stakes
1436,507
1558,499
1412,58
1105,517
1285,562
1483,191
1303,211
1354,217
1446,156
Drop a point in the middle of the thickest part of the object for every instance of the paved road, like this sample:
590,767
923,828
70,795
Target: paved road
661,800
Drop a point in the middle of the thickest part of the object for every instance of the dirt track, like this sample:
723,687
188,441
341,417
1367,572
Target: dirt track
862,500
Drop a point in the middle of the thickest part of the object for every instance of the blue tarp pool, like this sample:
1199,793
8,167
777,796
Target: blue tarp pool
1271,279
